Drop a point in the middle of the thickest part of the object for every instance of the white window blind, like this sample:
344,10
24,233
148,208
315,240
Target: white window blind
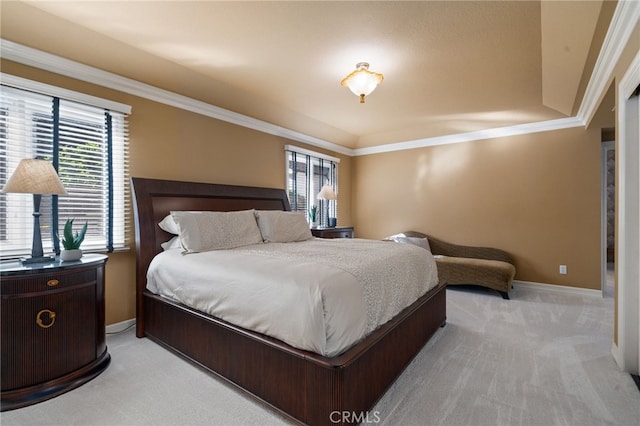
307,172
88,146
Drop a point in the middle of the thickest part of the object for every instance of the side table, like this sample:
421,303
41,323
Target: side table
335,232
53,328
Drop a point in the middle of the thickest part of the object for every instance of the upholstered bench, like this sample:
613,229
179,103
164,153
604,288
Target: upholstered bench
466,265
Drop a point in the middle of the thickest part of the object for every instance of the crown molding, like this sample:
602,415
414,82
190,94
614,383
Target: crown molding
626,16
521,129
46,61
629,82
624,20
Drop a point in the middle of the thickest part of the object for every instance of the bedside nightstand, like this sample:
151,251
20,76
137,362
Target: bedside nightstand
53,328
336,232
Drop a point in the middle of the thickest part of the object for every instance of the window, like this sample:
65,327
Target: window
307,172
88,146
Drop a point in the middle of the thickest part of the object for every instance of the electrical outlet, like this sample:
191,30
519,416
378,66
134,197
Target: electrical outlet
563,269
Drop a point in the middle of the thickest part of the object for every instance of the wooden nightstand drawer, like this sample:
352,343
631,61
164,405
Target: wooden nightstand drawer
337,232
45,282
46,337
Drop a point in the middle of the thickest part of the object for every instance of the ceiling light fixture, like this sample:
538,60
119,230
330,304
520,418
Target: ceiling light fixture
362,81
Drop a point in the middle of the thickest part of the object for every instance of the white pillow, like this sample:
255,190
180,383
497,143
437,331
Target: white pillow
279,226
173,243
417,241
206,230
169,225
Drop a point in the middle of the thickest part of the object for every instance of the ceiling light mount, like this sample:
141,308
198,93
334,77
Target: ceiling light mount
362,81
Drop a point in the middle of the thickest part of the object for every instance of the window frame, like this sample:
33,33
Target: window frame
319,169
111,160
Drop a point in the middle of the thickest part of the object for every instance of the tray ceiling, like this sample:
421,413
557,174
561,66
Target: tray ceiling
449,67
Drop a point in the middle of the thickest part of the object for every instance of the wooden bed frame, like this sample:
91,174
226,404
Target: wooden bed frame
303,386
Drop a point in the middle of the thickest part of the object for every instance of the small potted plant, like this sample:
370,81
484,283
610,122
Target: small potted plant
313,216
71,242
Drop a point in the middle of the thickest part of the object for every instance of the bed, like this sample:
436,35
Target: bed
303,386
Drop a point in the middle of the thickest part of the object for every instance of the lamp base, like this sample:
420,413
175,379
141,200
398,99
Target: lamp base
39,259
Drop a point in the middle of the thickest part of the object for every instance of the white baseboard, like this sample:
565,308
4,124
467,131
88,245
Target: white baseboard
120,326
558,288
617,355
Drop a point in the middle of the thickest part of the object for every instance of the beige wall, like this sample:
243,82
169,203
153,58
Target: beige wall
536,196
169,143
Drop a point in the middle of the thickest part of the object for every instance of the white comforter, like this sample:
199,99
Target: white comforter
320,295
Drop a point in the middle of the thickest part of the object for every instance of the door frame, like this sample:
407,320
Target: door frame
626,349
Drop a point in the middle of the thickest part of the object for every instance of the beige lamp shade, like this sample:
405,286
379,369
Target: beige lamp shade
33,176
326,193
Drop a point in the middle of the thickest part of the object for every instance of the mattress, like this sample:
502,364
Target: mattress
320,295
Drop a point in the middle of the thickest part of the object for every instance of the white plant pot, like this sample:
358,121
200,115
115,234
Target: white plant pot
69,255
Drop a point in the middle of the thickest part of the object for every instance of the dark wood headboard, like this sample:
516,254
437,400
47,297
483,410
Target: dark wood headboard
154,199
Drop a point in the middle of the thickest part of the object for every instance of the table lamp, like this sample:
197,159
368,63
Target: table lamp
37,177
326,193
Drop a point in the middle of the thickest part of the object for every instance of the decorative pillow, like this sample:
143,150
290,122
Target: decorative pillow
169,225
173,243
400,238
278,226
205,230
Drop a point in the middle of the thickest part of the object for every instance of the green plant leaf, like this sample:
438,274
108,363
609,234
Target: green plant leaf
71,240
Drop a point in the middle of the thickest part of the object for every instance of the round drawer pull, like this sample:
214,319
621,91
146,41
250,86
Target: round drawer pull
52,318
53,283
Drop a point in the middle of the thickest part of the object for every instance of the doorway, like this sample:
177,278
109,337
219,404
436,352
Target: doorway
608,217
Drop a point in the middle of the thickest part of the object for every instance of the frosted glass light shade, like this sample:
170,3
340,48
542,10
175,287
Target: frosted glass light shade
362,81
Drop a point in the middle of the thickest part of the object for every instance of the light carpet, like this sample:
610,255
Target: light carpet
541,358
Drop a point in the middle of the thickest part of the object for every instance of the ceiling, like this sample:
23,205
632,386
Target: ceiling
449,67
